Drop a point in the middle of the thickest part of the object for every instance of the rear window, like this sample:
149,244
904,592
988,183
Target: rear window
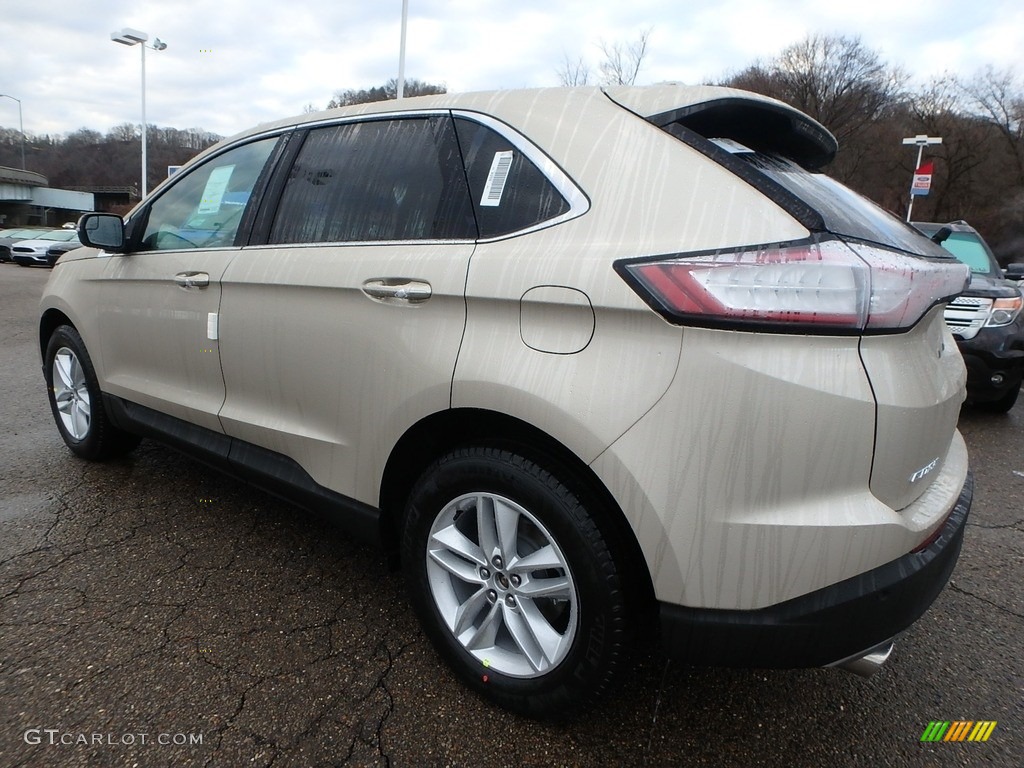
817,201
843,211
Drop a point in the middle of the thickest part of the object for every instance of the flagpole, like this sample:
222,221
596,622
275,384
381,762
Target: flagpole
910,208
920,141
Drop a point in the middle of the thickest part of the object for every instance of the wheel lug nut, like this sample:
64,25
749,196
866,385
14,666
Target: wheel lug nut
496,561
484,573
516,581
492,595
510,601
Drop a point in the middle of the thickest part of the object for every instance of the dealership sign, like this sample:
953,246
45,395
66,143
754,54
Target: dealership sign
922,179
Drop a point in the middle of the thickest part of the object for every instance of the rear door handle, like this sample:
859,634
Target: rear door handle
397,290
192,279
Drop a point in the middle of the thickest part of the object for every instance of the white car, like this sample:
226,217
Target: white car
27,253
592,362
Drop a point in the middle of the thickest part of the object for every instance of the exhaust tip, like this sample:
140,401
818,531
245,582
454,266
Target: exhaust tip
867,663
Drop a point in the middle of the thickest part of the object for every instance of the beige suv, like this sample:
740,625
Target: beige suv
593,362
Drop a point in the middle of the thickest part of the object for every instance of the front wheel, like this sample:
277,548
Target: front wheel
76,402
514,582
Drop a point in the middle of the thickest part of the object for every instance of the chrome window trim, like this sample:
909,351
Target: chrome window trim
578,202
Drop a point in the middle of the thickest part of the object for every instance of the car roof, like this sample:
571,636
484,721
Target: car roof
522,105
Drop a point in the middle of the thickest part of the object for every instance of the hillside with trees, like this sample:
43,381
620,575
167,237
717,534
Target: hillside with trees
86,158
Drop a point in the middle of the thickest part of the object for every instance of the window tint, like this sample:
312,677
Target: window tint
376,180
203,209
509,191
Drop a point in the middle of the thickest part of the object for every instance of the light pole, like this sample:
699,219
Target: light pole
920,141
21,127
129,36
400,87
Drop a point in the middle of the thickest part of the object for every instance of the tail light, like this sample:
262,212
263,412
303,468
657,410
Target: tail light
815,287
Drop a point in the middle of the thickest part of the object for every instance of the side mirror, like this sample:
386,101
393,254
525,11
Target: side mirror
1014,271
102,230
942,235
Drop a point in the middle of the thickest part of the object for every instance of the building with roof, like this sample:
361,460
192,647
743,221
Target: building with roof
26,199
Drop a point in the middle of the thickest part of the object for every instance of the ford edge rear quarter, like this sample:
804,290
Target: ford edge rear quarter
658,364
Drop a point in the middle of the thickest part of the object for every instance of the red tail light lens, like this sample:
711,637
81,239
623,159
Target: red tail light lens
814,287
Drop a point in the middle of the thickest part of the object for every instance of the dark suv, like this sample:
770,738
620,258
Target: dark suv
986,319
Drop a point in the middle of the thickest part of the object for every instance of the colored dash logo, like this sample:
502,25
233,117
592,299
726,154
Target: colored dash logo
958,730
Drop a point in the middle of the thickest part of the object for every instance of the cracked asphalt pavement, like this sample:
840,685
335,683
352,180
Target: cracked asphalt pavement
156,613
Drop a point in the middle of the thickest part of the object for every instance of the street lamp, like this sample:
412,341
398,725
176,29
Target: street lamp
21,127
129,36
920,141
400,86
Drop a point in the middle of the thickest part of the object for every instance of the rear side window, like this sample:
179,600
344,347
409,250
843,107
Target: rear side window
509,192
376,180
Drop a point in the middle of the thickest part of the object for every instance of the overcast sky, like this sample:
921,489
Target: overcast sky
234,63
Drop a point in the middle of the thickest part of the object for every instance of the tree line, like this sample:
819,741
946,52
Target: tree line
87,158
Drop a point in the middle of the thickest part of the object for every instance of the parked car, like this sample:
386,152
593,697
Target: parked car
9,237
32,252
54,252
985,319
589,363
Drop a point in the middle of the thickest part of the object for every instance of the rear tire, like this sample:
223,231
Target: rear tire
76,401
514,582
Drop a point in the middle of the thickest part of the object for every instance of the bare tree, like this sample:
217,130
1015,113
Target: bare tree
622,61
833,78
620,65
574,72
998,97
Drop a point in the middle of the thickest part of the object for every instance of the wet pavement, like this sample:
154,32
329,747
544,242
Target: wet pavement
156,613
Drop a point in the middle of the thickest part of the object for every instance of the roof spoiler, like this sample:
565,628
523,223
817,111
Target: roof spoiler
762,126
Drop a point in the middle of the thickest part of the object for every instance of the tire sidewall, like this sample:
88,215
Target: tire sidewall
588,666
66,336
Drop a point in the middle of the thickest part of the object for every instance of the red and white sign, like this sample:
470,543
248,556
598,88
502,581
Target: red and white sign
922,179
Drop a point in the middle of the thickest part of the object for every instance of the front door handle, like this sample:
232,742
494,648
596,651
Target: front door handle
397,290
192,279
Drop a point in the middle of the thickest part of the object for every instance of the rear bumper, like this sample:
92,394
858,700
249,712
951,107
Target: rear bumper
828,625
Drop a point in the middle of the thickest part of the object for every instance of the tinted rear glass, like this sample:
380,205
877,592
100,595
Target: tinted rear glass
844,211
509,192
814,199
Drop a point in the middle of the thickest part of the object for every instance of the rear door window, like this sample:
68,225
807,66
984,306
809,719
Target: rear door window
376,180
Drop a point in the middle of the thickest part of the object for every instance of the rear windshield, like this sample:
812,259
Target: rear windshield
843,211
817,201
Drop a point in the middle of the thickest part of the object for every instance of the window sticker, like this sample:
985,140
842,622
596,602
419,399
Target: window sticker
213,194
496,178
732,147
